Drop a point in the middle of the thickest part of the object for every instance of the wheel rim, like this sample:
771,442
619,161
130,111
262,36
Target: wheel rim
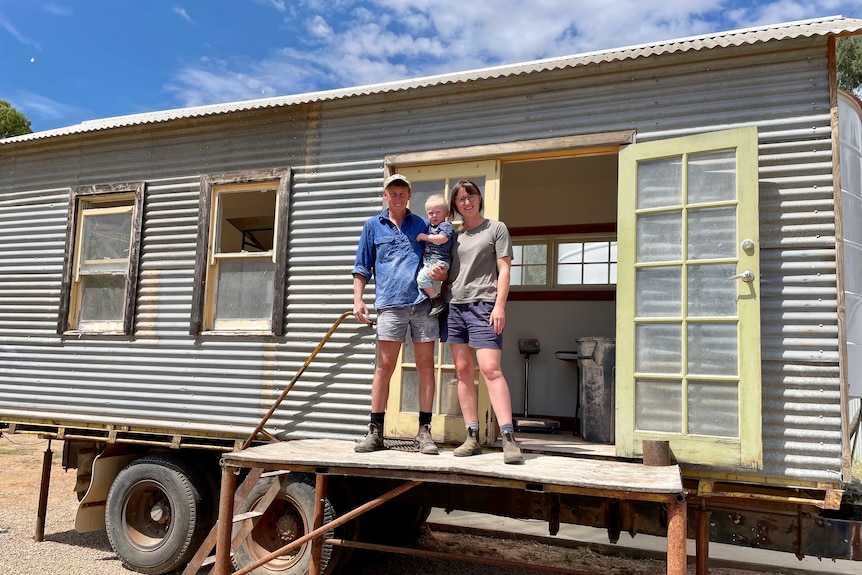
281,523
147,515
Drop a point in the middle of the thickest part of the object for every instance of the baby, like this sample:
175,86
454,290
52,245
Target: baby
438,245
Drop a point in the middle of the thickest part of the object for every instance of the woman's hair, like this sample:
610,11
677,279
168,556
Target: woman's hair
471,188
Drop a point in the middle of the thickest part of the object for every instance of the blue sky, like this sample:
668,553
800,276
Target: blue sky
66,61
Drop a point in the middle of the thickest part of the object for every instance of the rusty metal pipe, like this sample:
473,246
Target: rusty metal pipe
299,373
225,521
42,510
320,484
676,536
702,542
331,525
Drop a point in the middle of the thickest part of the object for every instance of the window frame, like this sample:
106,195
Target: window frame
71,289
553,242
202,316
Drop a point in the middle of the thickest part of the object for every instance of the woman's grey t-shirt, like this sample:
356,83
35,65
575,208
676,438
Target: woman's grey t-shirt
473,274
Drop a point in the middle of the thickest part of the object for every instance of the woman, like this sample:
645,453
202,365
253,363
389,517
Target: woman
479,276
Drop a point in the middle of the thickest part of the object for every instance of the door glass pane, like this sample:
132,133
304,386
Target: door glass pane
659,348
102,297
449,394
710,292
658,406
105,237
245,288
712,348
421,191
409,390
660,183
659,292
659,237
712,177
713,409
712,233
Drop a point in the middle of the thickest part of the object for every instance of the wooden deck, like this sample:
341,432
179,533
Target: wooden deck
545,472
554,473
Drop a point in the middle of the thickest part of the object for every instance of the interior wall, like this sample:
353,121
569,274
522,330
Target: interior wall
557,192
557,325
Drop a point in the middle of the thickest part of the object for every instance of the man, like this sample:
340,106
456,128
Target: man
389,251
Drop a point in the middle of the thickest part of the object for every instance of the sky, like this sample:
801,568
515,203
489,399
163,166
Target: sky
67,61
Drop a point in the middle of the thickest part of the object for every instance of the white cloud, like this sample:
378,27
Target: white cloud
181,12
355,42
35,105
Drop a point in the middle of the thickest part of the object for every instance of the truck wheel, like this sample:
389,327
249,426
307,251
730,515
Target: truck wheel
155,514
289,517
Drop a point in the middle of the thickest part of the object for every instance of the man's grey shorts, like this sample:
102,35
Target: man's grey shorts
392,323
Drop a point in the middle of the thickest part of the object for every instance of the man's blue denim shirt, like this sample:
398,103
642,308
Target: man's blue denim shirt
393,258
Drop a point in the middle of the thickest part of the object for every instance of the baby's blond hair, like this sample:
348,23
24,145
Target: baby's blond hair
436,200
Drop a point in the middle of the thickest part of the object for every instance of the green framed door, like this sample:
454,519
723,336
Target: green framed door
688,311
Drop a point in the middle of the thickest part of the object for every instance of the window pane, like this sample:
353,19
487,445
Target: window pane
659,237
409,390
712,233
535,275
713,409
660,183
712,177
103,297
659,348
710,293
421,191
596,252
517,255
658,406
246,220
595,273
245,288
106,237
569,275
712,349
449,404
570,253
536,254
659,292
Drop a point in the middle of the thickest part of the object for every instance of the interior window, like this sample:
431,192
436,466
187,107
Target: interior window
569,262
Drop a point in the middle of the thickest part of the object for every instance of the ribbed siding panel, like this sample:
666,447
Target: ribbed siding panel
336,149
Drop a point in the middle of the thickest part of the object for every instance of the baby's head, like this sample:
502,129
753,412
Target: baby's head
436,208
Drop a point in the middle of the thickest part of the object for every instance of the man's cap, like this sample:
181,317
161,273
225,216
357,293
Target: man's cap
395,178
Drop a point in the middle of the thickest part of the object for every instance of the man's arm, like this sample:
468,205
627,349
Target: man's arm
360,310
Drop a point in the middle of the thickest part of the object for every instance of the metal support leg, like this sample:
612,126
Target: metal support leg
42,511
676,536
702,542
320,484
225,521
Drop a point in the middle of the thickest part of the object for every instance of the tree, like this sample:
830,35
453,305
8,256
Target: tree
849,62
12,122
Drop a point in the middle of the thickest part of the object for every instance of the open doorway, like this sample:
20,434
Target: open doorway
561,213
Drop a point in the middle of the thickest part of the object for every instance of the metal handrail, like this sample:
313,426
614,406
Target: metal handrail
301,370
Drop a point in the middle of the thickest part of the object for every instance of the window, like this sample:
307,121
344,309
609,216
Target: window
546,263
103,238
242,263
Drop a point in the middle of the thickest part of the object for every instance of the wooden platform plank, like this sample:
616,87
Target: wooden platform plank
538,468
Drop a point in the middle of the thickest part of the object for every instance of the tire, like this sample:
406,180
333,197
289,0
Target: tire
156,514
289,517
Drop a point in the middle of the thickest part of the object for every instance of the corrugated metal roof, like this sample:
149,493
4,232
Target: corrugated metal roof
832,25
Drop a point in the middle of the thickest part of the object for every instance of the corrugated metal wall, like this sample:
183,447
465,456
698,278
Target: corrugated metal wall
336,150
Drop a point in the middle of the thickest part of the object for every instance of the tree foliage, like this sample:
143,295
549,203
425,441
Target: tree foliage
849,62
12,122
